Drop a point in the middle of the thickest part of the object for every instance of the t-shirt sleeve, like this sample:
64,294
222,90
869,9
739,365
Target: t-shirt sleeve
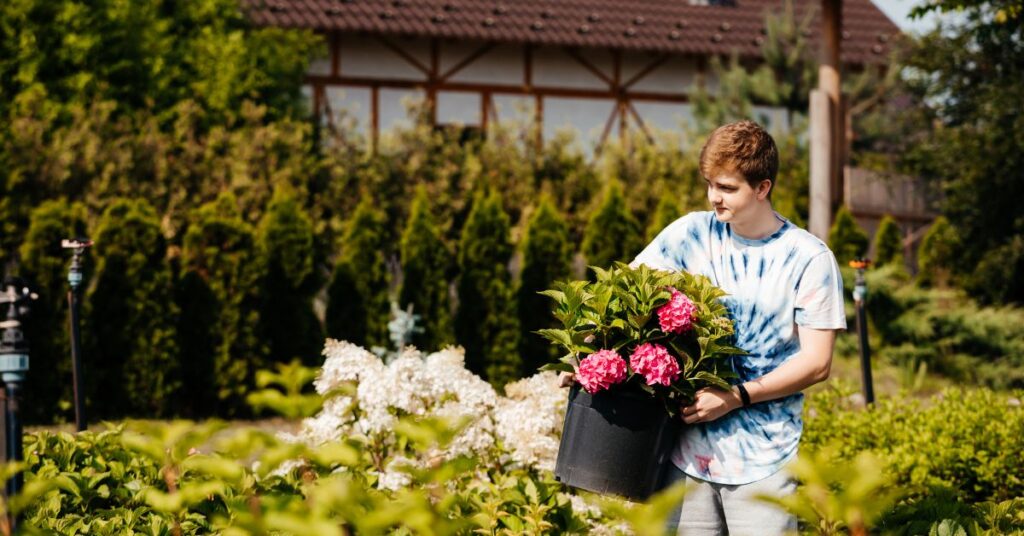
657,254
819,297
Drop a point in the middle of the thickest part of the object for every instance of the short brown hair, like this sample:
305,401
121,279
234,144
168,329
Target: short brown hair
744,148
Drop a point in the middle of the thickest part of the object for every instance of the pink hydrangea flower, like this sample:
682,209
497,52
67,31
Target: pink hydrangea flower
654,363
678,315
601,370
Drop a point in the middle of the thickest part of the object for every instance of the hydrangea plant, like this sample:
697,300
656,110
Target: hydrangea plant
666,333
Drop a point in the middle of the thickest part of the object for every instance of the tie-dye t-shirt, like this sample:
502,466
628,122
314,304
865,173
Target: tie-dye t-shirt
776,283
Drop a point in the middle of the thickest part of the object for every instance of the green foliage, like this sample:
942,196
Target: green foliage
129,335
486,321
612,233
968,75
888,243
966,441
219,297
547,257
846,239
937,254
997,276
45,264
665,213
358,305
425,265
285,240
619,312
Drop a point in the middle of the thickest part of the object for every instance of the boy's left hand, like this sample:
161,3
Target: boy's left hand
710,404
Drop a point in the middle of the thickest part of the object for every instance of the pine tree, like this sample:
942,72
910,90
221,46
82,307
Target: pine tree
219,298
847,240
485,322
665,213
285,240
612,234
936,254
425,261
888,242
358,305
547,257
132,358
45,265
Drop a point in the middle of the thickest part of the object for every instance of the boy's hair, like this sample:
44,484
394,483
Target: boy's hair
744,148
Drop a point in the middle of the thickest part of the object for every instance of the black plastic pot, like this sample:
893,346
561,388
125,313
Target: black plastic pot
615,442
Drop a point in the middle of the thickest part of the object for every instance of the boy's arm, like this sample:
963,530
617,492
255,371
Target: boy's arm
808,367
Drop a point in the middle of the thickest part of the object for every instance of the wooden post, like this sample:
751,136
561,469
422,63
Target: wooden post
821,169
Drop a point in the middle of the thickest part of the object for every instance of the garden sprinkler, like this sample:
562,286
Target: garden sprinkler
77,247
860,293
15,301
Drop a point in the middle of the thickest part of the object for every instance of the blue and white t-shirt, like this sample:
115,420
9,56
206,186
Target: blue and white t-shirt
776,283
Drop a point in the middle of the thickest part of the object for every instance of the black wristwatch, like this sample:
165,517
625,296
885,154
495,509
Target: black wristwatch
744,395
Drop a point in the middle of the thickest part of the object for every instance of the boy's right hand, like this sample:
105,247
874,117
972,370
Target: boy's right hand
566,379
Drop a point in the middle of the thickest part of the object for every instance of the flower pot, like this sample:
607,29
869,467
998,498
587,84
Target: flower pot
615,442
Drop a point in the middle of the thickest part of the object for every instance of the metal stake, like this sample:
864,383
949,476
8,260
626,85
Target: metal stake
860,293
78,247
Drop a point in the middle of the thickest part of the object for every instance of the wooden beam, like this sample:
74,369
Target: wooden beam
404,55
588,66
466,61
640,121
646,71
485,99
607,127
374,118
538,114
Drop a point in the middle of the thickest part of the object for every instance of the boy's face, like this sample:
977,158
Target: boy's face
733,199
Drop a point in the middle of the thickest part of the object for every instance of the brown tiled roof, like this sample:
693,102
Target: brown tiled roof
673,26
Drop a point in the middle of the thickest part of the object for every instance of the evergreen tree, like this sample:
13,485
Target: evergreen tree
132,355
358,305
665,213
485,322
285,239
612,234
847,240
547,257
888,242
45,265
425,260
219,298
935,255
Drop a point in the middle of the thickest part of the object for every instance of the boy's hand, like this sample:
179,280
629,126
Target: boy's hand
566,379
710,404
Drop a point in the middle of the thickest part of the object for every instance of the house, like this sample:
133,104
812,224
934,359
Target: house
597,65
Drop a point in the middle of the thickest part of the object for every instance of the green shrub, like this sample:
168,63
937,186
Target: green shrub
358,305
285,241
45,265
936,255
665,213
547,257
486,322
219,296
612,233
888,243
131,358
425,266
847,240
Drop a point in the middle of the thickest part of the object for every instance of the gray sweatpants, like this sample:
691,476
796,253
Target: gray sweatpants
718,509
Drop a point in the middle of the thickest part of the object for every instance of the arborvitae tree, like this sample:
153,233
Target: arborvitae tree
485,323
285,239
888,242
666,212
612,234
425,261
219,299
357,303
935,256
45,265
847,240
131,358
547,257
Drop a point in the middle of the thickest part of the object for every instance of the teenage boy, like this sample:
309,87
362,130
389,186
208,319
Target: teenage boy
786,299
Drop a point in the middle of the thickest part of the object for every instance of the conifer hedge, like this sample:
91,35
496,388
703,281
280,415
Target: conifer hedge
132,349
612,233
936,253
846,239
425,265
547,257
888,242
486,323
